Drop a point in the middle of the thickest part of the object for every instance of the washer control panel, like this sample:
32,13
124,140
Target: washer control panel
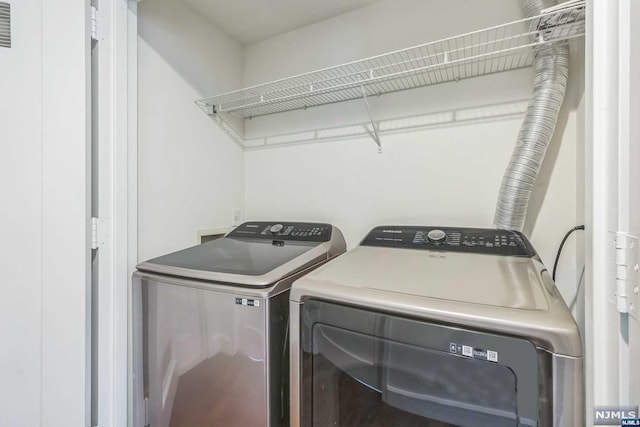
290,231
451,239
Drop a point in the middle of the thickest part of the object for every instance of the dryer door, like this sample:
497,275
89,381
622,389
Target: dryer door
364,368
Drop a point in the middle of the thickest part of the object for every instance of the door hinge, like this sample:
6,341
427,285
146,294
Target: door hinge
94,23
100,232
627,273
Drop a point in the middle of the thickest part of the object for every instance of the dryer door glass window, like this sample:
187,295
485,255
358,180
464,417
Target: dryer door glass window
362,380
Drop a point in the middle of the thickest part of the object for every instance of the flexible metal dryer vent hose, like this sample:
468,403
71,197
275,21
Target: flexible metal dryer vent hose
551,66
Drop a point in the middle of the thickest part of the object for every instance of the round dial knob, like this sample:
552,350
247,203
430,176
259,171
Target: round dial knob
436,235
276,228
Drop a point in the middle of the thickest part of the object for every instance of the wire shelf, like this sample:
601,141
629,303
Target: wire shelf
492,50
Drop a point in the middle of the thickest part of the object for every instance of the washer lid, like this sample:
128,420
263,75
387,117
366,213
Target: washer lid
253,254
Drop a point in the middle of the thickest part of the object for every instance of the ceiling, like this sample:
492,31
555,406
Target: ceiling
250,21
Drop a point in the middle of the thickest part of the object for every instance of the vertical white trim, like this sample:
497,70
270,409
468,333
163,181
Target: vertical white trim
132,182
624,176
126,21
104,363
612,206
629,183
117,41
601,202
634,190
66,303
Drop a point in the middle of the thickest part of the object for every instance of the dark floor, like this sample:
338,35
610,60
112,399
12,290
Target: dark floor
219,392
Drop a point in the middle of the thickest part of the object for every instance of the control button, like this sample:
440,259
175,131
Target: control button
276,228
436,235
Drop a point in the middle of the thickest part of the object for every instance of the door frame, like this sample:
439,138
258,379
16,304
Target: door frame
612,207
116,38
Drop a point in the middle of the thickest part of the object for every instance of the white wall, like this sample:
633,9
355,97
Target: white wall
190,173
382,27
44,310
448,173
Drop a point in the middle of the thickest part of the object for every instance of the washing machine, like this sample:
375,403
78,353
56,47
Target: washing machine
210,325
434,326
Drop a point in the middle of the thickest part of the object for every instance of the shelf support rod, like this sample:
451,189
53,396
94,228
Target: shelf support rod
374,131
228,129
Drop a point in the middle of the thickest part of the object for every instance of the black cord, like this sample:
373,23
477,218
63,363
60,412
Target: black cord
555,264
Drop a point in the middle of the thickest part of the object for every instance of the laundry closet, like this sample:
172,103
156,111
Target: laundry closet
418,134
416,153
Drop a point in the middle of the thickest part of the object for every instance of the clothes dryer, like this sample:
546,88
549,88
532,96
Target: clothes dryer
434,326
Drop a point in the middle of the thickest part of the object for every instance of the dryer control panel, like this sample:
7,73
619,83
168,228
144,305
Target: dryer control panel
289,231
451,239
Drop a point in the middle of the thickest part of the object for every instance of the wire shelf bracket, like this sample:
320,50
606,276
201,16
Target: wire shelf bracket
501,48
373,133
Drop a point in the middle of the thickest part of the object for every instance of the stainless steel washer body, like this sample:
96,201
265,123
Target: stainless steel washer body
434,326
210,326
